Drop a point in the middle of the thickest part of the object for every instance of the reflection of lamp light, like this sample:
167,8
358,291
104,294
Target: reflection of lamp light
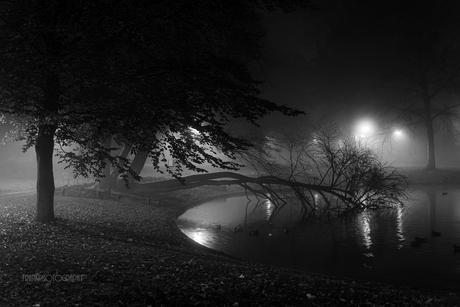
269,207
366,231
400,229
199,235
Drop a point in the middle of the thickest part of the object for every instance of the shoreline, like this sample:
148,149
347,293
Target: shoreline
416,177
441,176
133,254
356,279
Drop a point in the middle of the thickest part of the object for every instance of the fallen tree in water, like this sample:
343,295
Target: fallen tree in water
324,175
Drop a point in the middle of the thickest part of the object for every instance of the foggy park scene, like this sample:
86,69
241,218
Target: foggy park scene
229,153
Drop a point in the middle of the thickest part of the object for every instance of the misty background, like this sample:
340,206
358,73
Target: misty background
289,52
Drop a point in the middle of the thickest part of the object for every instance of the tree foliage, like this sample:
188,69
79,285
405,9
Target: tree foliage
328,174
144,72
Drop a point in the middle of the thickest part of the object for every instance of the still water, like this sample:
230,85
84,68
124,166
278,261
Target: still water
373,247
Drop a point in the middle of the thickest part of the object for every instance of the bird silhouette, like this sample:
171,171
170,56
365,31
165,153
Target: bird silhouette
238,228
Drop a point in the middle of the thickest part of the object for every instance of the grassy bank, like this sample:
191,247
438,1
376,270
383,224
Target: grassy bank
124,253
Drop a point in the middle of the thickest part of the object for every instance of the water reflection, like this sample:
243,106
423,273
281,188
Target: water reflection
372,246
365,228
269,207
200,235
432,201
399,227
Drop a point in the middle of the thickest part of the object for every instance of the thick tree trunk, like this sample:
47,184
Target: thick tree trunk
138,163
44,149
44,145
115,173
431,148
105,180
430,135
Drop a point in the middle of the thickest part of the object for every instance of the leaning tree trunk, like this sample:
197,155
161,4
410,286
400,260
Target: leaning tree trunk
430,135
115,172
138,162
44,149
136,166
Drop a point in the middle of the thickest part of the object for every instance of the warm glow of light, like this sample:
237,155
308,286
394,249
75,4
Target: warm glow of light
199,235
398,134
365,128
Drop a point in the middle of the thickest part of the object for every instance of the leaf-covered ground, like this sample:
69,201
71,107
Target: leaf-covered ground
128,253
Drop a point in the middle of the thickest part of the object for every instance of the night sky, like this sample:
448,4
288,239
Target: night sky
290,46
374,42
290,49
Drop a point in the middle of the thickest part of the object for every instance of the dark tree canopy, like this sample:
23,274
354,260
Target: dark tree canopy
144,72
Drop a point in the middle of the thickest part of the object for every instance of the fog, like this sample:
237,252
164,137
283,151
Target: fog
290,51
410,150
15,164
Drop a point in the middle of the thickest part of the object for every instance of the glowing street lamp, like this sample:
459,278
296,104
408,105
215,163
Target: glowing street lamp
364,128
398,134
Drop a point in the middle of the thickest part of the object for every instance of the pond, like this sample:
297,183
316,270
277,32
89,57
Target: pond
372,247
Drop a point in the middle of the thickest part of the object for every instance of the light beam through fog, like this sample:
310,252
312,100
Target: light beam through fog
364,128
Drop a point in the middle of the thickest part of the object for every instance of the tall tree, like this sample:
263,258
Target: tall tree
404,53
142,71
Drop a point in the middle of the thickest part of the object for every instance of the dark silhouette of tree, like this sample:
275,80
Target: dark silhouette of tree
325,172
402,53
144,72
